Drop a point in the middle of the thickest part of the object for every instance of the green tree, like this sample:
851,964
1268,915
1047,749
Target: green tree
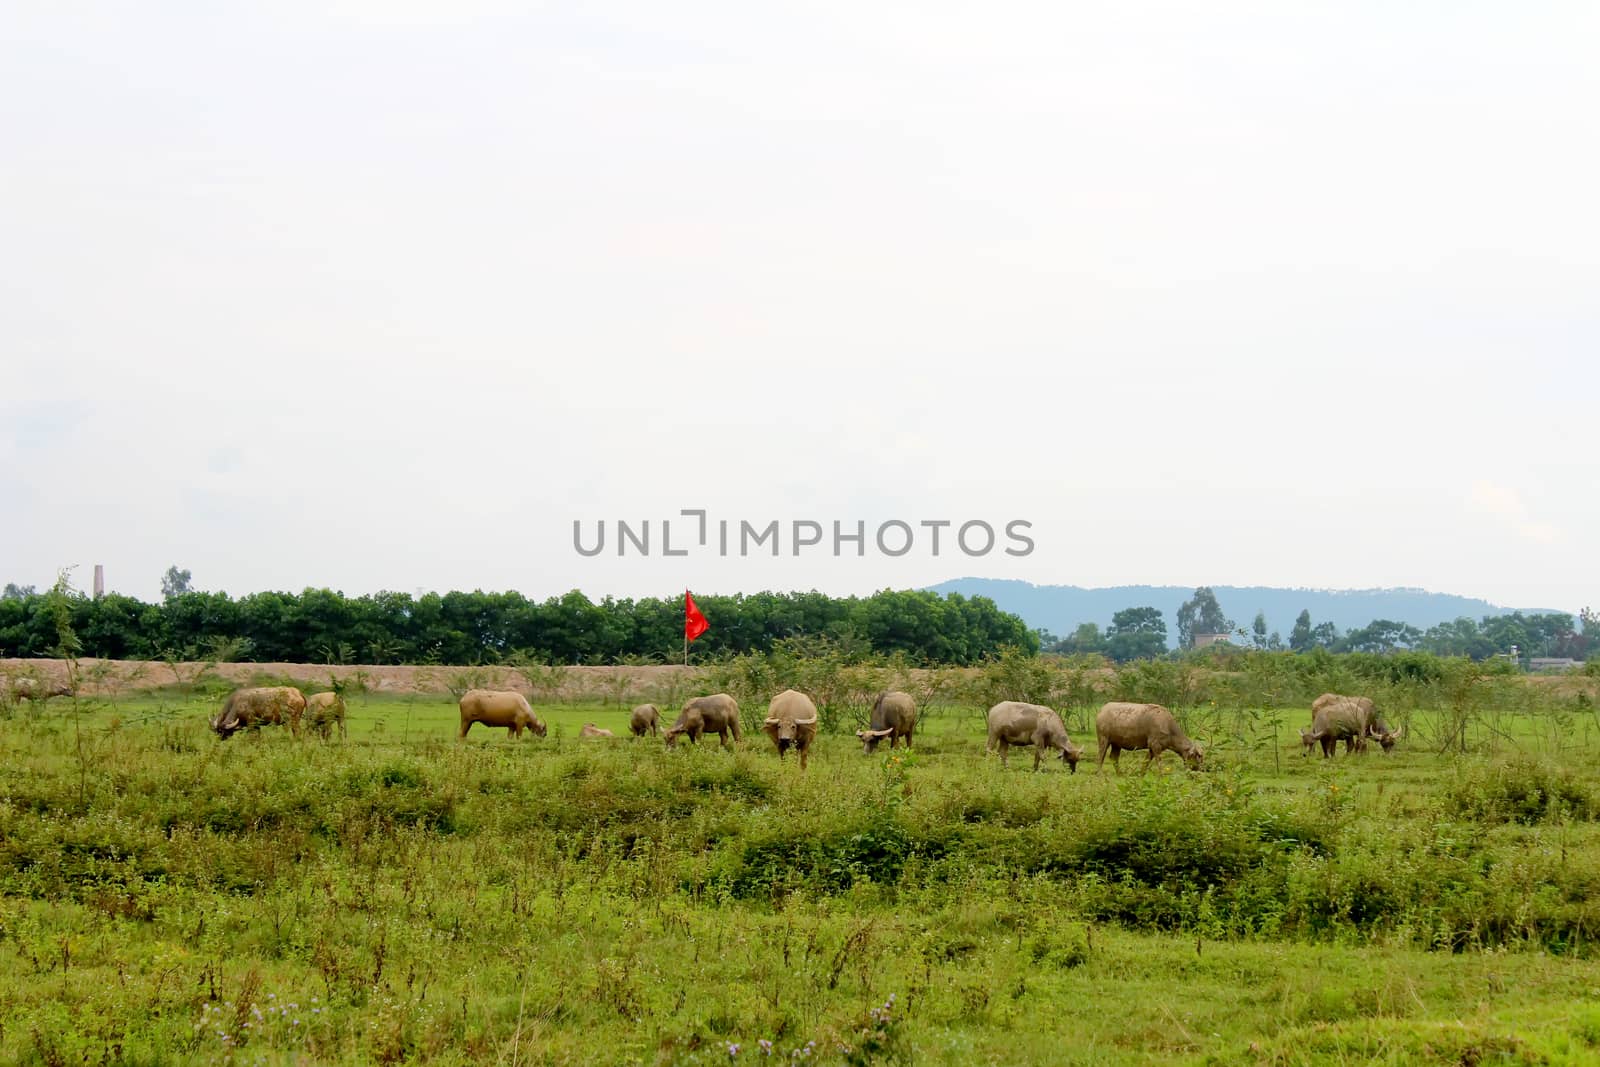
1382,635
1258,630
1300,637
1201,614
1136,633
1088,638
174,582
1502,633
13,591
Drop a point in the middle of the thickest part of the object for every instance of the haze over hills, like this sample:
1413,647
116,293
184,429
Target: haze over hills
1062,608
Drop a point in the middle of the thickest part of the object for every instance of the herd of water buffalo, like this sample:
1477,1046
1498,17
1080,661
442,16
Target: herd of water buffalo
792,721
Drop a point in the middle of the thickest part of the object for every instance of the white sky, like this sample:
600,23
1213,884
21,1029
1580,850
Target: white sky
386,295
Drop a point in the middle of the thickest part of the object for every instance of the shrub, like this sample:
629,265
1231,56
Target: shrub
1524,791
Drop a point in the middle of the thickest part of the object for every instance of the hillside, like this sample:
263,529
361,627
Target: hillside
1062,608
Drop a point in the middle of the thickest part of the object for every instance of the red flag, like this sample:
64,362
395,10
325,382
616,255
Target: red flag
694,623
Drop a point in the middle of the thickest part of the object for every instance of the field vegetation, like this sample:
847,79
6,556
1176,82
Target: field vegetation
402,897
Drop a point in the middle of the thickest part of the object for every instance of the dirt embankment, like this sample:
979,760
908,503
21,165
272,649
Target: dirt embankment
104,677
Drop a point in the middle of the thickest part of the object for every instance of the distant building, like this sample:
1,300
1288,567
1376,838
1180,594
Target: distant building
1203,640
1553,663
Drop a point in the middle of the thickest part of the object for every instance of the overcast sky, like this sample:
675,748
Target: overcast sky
387,295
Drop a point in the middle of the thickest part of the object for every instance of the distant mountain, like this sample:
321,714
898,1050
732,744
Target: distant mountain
1062,608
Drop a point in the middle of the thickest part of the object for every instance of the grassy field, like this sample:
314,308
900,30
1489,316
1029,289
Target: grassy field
402,897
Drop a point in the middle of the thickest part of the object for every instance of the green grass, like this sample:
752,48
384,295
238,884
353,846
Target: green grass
416,899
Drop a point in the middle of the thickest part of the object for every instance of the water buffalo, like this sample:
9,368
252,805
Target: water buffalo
496,707
1336,718
1309,740
36,689
792,723
1149,726
645,719
323,712
589,729
715,714
894,716
254,708
1011,722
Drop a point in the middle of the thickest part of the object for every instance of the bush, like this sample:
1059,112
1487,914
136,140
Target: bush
1525,791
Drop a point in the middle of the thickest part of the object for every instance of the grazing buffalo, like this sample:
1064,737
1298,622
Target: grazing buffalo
589,729
1336,718
323,712
1149,726
496,707
20,689
254,708
645,719
1011,722
894,716
716,714
1308,741
792,723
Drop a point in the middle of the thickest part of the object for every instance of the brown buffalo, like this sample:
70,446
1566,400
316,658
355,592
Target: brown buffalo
254,708
1011,722
645,719
496,707
1148,726
21,689
715,714
792,723
894,716
589,729
323,712
1353,720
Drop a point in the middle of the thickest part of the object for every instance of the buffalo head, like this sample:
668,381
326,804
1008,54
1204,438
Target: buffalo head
870,738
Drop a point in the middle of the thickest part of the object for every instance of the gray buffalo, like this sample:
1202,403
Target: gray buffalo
1151,727
792,723
894,716
1011,722
1353,720
645,719
715,714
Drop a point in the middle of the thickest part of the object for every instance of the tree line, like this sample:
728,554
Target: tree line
324,626
1141,633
